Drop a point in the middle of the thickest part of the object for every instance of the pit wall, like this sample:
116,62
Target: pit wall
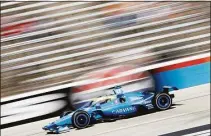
183,75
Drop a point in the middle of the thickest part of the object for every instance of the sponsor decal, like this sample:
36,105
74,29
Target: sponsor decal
147,102
149,106
135,99
140,100
124,110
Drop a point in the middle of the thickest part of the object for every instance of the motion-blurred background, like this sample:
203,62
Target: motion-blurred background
49,44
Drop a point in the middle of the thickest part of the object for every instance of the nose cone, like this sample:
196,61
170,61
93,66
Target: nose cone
45,128
50,127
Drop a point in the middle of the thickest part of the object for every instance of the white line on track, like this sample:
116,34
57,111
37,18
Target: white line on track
201,133
185,114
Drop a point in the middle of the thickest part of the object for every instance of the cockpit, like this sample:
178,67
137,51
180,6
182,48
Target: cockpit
97,102
119,96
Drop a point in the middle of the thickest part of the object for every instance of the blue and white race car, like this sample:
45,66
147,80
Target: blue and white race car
120,105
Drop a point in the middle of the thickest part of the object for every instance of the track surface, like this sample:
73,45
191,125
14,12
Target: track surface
191,109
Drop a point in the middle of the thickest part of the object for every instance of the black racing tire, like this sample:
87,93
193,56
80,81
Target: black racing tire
80,119
162,101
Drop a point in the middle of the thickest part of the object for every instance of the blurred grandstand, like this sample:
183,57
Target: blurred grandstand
46,44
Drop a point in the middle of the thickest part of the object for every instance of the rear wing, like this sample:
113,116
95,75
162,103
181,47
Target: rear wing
166,89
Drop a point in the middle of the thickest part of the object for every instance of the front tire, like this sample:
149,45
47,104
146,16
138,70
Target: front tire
162,101
80,119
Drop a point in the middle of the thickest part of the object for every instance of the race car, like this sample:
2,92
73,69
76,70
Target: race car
113,108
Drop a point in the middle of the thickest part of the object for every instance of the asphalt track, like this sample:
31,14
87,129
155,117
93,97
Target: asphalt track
190,116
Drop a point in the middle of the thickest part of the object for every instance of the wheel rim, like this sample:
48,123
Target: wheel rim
163,101
82,120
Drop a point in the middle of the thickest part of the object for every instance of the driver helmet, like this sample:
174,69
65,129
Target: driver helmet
118,90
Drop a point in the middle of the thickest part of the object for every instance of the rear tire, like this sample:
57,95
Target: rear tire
162,101
80,119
